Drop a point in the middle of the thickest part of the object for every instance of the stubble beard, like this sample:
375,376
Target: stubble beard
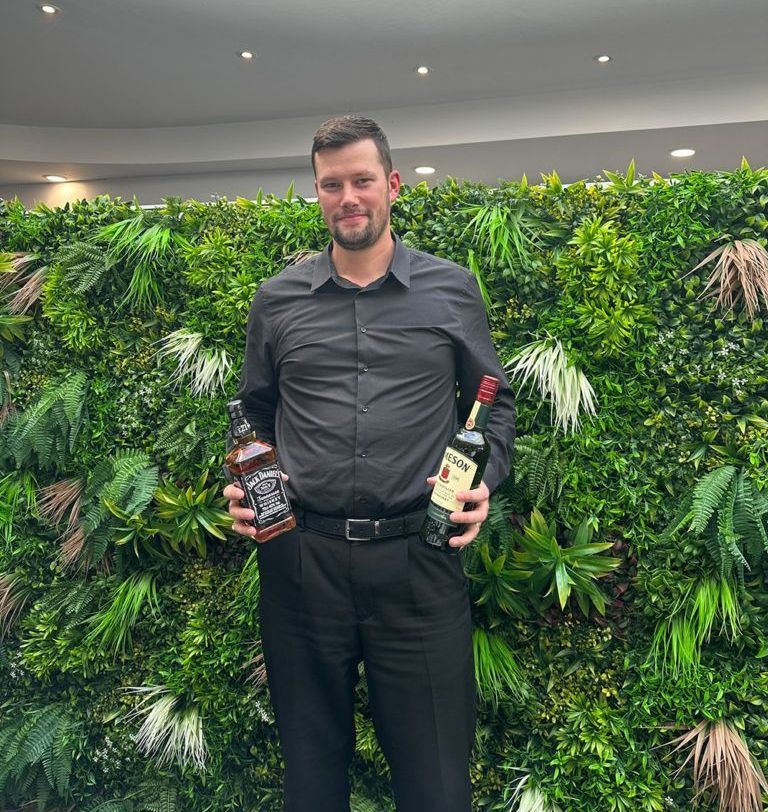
362,239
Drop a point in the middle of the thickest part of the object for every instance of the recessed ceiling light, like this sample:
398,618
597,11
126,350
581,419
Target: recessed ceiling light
424,170
423,70
602,59
55,178
247,54
682,153
48,9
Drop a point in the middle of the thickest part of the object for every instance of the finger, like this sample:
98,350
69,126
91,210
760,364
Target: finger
237,511
478,494
431,480
467,537
475,516
233,493
243,529
284,476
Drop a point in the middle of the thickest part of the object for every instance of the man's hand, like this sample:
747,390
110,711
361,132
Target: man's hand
477,500
242,516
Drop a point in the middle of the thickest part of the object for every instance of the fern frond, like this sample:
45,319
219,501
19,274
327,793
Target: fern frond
708,496
83,265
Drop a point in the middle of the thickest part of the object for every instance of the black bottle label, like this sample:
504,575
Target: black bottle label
266,494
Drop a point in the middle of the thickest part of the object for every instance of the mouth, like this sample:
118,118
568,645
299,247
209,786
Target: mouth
351,218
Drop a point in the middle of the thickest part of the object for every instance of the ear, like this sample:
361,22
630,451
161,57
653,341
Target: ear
394,185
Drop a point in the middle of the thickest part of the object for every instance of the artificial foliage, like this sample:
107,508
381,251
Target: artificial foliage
619,588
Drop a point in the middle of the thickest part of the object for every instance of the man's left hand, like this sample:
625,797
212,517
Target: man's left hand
477,500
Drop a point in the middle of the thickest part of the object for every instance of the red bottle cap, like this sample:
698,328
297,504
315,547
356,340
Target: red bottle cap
486,392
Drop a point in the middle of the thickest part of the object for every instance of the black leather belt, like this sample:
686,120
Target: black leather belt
360,529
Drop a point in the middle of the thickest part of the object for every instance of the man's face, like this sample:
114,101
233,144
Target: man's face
355,193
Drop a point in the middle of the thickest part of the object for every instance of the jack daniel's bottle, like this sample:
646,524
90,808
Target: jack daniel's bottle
252,465
462,469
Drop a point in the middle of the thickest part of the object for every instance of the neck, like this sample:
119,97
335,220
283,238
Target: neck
365,266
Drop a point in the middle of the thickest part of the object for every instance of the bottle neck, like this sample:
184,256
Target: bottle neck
478,417
241,430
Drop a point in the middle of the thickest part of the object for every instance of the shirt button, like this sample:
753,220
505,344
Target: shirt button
363,329
364,369
364,454
364,409
363,499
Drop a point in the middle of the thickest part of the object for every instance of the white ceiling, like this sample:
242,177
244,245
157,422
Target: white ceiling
130,88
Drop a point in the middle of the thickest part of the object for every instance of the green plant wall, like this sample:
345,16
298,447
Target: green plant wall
619,586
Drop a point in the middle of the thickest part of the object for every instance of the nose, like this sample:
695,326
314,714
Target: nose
349,196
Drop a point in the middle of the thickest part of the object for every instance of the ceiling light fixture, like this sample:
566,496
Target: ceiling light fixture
48,9
682,153
422,70
55,178
602,59
424,170
247,54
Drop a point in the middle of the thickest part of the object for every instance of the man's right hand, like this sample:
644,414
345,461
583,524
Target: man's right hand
243,516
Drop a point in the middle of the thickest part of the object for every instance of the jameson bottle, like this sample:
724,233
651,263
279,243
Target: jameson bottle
461,470
252,464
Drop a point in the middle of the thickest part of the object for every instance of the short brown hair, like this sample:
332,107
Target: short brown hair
342,130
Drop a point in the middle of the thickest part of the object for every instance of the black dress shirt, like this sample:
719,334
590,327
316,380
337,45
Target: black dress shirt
357,387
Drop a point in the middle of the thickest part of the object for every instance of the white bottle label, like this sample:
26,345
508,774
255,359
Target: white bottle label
456,473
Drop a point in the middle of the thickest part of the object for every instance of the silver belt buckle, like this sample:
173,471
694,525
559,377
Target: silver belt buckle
348,530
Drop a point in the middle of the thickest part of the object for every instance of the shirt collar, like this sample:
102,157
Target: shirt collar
399,267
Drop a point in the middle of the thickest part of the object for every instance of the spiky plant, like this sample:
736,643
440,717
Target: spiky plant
29,293
18,493
679,637
169,732
740,275
111,626
729,513
14,594
299,256
188,514
528,798
14,266
143,246
256,666
7,406
206,367
558,571
50,426
723,766
12,327
545,363
56,499
504,232
498,676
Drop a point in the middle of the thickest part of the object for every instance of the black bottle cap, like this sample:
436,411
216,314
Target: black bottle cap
235,409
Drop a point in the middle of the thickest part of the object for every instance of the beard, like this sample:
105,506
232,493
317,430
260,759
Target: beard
362,238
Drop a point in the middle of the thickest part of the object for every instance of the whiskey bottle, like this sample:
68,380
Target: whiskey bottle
252,465
462,469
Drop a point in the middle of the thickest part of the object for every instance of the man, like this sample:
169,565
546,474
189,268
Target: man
353,362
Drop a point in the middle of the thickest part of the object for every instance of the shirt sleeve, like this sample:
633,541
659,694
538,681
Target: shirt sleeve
258,380
476,356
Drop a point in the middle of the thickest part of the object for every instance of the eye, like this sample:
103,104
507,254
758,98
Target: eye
363,181
330,185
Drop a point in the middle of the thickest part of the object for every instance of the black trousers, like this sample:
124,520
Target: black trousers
403,610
